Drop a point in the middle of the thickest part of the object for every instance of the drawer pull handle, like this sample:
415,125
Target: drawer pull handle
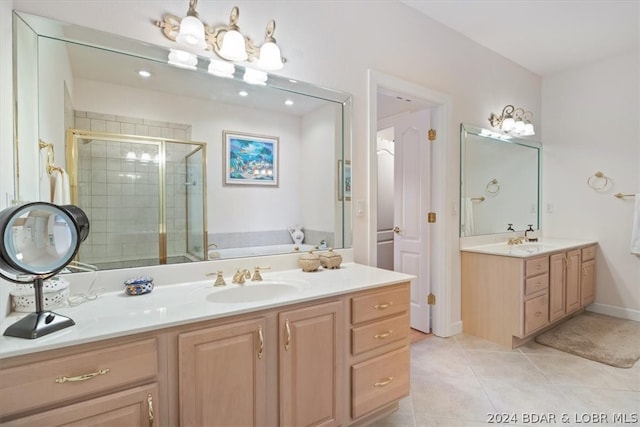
261,345
287,340
84,377
383,382
150,404
383,306
383,335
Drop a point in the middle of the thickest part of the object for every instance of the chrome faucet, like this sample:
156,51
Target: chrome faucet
241,276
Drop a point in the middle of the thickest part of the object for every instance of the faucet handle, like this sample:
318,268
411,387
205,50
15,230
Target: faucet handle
219,279
256,273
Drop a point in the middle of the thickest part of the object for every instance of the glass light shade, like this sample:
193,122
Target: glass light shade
518,126
233,46
221,68
528,130
508,124
255,77
191,33
183,59
270,59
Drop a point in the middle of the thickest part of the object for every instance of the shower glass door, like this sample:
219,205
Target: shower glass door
135,192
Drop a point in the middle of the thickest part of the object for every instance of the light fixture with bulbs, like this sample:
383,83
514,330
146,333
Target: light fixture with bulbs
226,41
513,120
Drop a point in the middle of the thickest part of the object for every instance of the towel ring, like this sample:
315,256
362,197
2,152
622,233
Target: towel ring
493,187
598,178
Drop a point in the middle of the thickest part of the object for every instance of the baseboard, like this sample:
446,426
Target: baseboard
454,328
612,310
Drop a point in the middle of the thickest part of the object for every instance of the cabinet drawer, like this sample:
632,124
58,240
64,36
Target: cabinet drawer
379,381
536,283
536,313
588,253
383,332
43,383
536,266
376,305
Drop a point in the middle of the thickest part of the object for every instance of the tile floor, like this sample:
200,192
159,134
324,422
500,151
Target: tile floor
463,381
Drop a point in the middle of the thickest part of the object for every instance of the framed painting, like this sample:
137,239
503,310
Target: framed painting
344,180
250,159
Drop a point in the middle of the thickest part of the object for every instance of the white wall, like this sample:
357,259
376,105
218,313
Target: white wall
591,117
333,45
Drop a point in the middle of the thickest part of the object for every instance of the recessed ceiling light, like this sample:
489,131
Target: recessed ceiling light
288,102
243,93
144,73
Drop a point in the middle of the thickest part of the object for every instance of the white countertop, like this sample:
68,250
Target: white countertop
115,314
529,249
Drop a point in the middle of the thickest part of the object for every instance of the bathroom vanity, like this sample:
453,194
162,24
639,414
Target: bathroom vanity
511,293
325,348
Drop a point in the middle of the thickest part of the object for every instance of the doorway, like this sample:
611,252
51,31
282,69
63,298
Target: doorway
400,117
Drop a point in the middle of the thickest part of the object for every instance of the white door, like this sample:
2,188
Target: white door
412,183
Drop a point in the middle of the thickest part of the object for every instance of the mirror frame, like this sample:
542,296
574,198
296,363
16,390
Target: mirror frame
43,27
499,138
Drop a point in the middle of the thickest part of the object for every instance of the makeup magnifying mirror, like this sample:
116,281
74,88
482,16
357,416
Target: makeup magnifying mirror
38,240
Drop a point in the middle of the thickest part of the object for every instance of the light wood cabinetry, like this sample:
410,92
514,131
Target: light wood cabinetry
311,369
509,300
588,276
329,362
222,375
115,384
379,349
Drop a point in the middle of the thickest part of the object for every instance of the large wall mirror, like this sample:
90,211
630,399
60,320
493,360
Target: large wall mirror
149,158
499,182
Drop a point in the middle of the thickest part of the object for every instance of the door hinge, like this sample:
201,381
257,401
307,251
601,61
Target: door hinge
431,299
431,134
431,217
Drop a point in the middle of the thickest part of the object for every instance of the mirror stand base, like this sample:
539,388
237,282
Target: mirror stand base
38,324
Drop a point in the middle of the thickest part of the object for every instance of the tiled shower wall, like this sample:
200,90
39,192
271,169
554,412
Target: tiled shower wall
121,196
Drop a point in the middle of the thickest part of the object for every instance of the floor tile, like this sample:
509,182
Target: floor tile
496,365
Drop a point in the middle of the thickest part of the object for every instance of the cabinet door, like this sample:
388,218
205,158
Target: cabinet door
136,407
588,282
222,375
556,286
572,281
311,365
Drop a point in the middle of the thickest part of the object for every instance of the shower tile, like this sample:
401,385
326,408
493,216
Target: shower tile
501,366
113,127
142,130
98,125
128,119
155,131
100,116
98,189
83,123
128,128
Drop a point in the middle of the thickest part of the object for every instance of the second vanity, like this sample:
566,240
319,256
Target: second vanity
511,293
332,350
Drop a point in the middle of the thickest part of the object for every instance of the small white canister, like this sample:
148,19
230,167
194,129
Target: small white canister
55,291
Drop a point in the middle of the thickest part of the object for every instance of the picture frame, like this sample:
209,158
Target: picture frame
344,180
250,159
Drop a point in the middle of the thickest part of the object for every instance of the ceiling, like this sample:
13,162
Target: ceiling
543,36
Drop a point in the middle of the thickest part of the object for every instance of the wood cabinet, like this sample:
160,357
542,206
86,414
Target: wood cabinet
588,276
311,351
222,375
508,300
564,285
379,349
329,362
112,384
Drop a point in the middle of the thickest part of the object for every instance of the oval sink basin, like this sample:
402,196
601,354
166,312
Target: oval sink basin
254,292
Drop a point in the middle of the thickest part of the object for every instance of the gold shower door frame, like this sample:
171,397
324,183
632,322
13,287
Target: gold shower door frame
72,162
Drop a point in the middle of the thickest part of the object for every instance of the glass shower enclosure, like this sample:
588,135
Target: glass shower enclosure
145,198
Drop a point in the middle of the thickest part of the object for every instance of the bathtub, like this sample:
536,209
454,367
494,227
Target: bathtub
258,251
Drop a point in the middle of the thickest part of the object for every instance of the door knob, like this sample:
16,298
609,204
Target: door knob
396,229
